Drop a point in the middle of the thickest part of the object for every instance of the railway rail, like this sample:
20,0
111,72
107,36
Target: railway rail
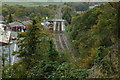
60,42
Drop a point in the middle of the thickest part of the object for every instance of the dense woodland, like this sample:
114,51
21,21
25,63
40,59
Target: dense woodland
92,33
38,13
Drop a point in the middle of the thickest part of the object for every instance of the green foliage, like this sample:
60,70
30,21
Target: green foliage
92,33
19,12
31,4
29,49
94,29
67,13
99,56
15,71
35,12
10,19
5,11
38,57
65,71
79,6
106,66
43,69
34,22
67,28
22,34
53,54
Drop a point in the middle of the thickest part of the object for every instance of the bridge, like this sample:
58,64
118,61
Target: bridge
58,25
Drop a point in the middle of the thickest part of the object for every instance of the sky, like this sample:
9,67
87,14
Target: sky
59,0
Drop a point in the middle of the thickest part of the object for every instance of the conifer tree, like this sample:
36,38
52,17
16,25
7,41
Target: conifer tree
10,19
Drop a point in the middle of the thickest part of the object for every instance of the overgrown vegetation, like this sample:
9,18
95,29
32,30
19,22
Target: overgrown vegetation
19,11
94,33
39,58
81,6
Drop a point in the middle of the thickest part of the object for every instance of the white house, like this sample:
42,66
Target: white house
4,36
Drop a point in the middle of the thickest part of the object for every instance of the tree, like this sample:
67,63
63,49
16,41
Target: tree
10,19
93,29
53,54
116,5
34,22
5,12
79,6
20,12
67,13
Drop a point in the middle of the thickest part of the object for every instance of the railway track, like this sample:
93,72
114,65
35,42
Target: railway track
59,39
57,42
63,42
60,42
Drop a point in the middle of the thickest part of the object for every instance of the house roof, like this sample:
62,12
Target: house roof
2,22
13,24
56,20
21,19
26,22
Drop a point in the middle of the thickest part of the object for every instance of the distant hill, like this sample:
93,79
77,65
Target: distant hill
59,0
30,4
40,0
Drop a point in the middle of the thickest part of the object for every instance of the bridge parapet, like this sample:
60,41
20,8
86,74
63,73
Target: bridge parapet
58,25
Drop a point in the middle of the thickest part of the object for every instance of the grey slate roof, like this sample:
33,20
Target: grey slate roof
60,20
15,24
21,19
26,22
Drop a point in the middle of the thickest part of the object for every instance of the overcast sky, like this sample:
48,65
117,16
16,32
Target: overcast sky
59,0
